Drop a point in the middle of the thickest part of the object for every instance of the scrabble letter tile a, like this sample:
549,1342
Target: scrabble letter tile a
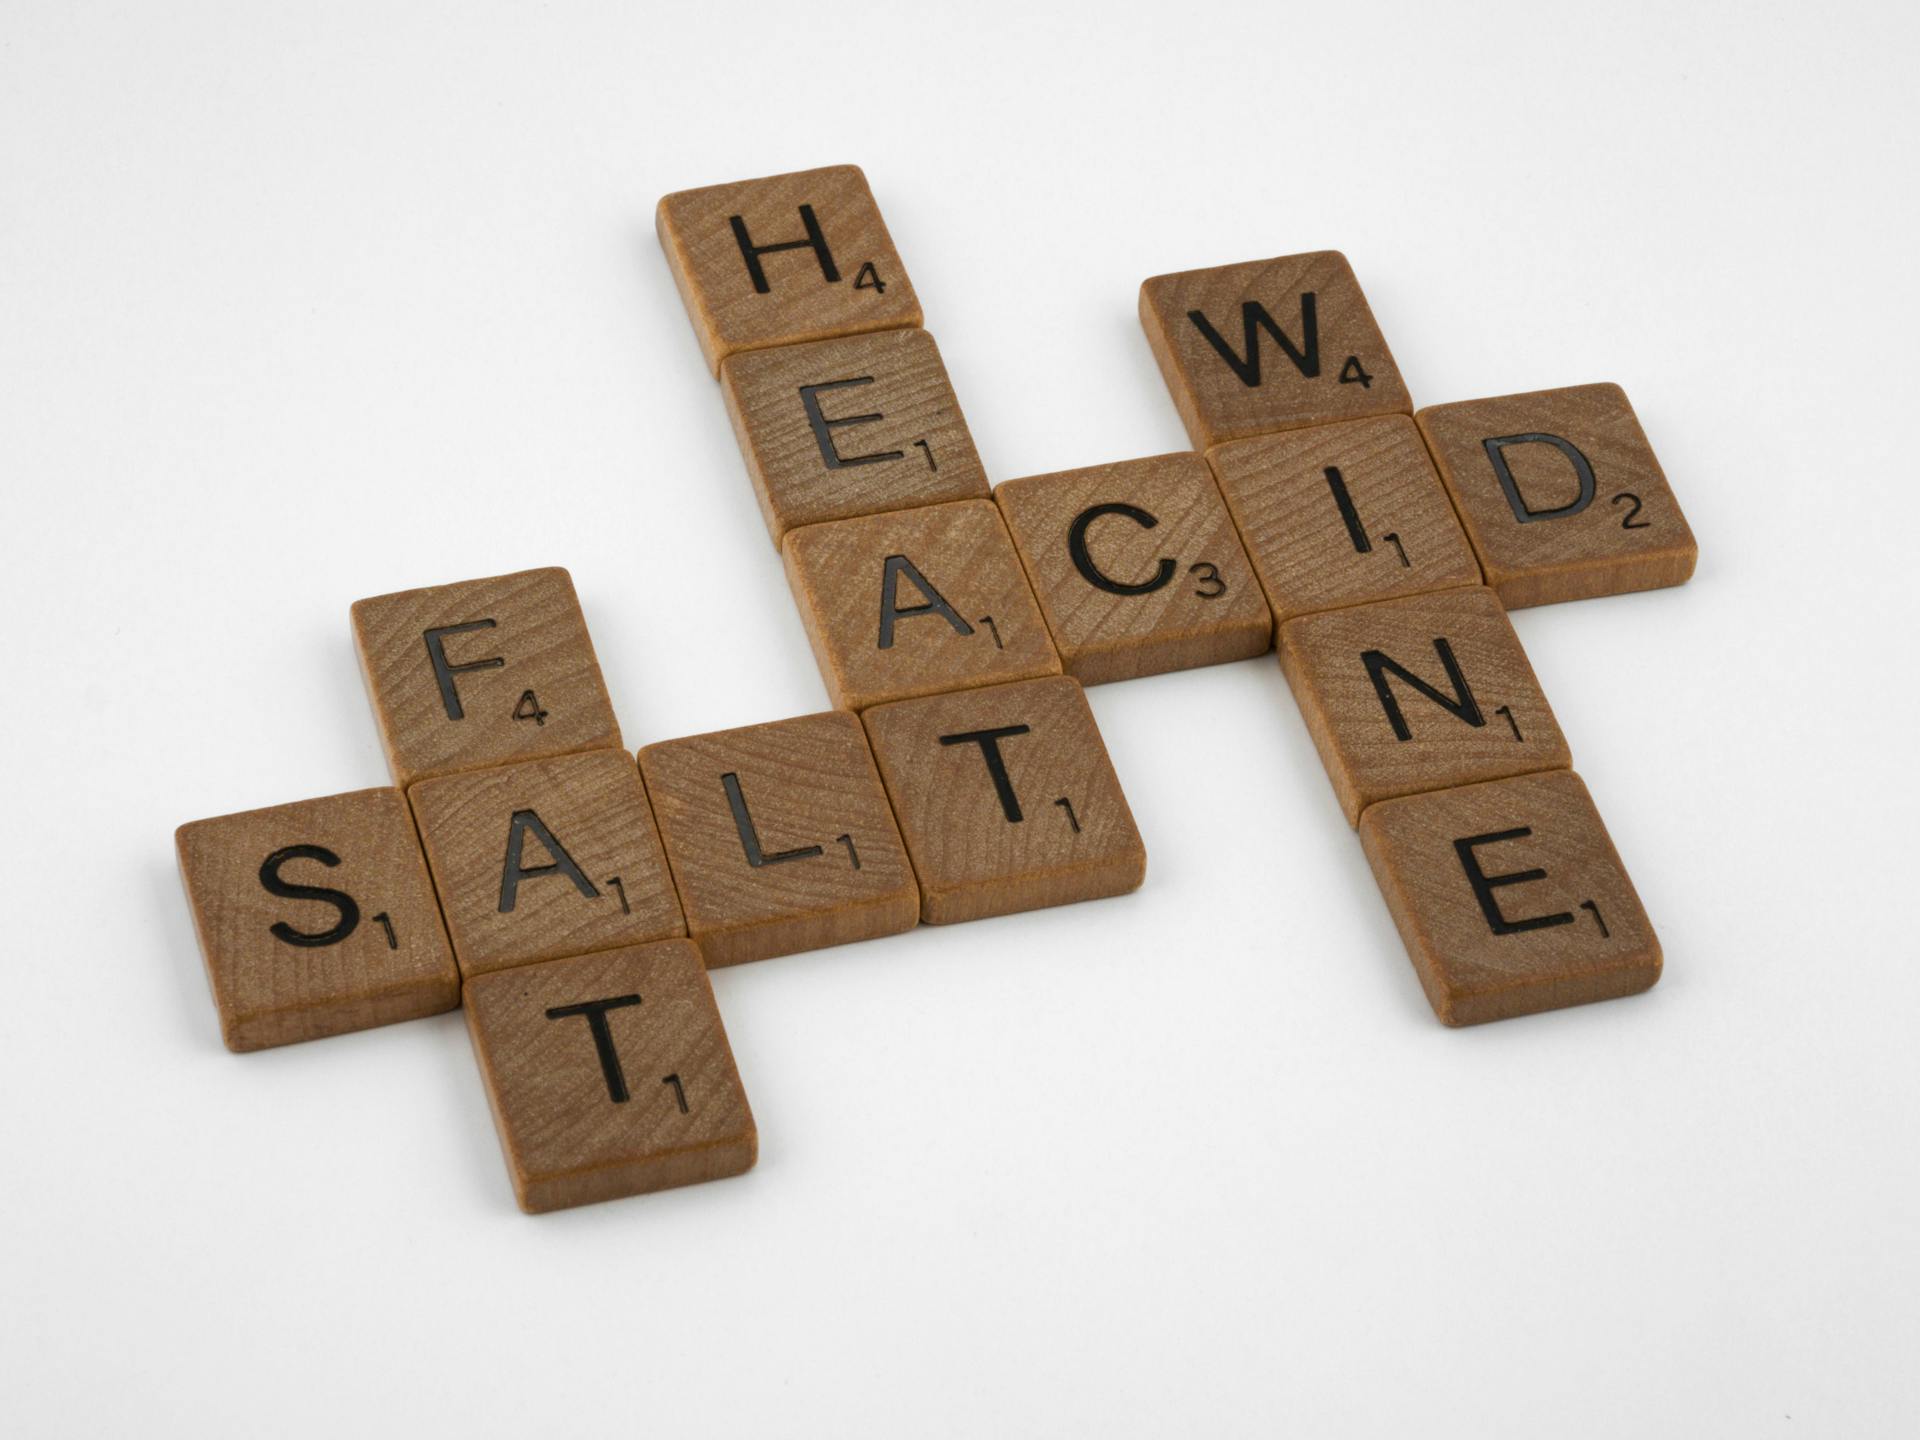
1269,345
780,837
784,259
609,1075
1510,897
1416,694
1007,799
916,602
1561,494
550,858
850,427
1137,567
482,672
316,918
1342,514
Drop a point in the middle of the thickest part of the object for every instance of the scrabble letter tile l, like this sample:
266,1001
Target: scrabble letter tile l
316,918
1510,897
1561,494
1007,799
780,837
1269,345
784,259
546,859
609,1075
481,673
1421,693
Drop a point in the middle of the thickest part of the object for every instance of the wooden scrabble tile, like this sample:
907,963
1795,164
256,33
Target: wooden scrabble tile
784,259
1007,799
780,837
610,1075
545,859
916,602
850,427
1420,693
316,918
1510,897
1269,345
1560,494
481,673
1342,514
1137,567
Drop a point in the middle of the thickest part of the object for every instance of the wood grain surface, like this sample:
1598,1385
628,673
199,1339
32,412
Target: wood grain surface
1510,897
850,427
916,602
1007,799
482,673
546,859
1358,673
316,918
838,275
1561,494
1343,514
609,1075
780,837
1137,567
1269,345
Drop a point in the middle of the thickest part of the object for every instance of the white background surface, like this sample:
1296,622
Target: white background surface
304,303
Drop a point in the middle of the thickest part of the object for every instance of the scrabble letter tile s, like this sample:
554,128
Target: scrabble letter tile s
850,427
916,602
780,837
609,1075
1510,897
1007,799
784,259
1137,567
483,672
546,859
1269,345
1561,494
1421,693
1338,515
316,918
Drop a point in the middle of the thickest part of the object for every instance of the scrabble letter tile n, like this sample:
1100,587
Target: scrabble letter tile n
784,259
482,673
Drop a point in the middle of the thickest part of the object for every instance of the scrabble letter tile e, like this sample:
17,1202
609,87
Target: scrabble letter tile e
1510,897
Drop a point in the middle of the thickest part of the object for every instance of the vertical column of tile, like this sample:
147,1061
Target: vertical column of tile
841,402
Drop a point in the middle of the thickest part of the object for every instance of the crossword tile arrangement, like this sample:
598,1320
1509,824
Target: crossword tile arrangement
572,896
